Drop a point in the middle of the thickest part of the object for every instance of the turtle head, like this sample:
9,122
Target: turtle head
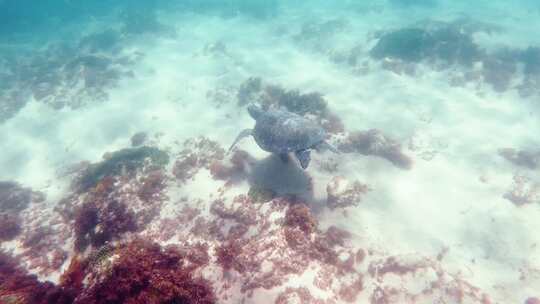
255,111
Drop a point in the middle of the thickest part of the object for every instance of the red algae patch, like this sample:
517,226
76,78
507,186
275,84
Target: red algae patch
144,272
41,249
14,199
225,245
197,153
232,169
227,254
417,279
152,186
299,215
374,142
17,286
299,295
532,300
10,227
342,193
116,206
287,242
102,218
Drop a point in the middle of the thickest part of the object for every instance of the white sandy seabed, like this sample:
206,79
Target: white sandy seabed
452,200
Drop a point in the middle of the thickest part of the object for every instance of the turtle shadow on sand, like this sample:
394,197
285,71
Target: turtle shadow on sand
283,134
281,178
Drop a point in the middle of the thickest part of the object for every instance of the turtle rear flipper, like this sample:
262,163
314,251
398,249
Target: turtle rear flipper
243,134
304,157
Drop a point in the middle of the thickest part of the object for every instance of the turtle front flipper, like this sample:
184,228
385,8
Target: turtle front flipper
304,157
244,133
324,146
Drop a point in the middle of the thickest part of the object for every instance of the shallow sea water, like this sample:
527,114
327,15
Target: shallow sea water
117,184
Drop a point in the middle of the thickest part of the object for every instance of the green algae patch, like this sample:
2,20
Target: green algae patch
125,161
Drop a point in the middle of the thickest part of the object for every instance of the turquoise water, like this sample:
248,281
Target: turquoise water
393,156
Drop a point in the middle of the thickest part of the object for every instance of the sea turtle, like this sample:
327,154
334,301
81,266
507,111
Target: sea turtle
280,131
